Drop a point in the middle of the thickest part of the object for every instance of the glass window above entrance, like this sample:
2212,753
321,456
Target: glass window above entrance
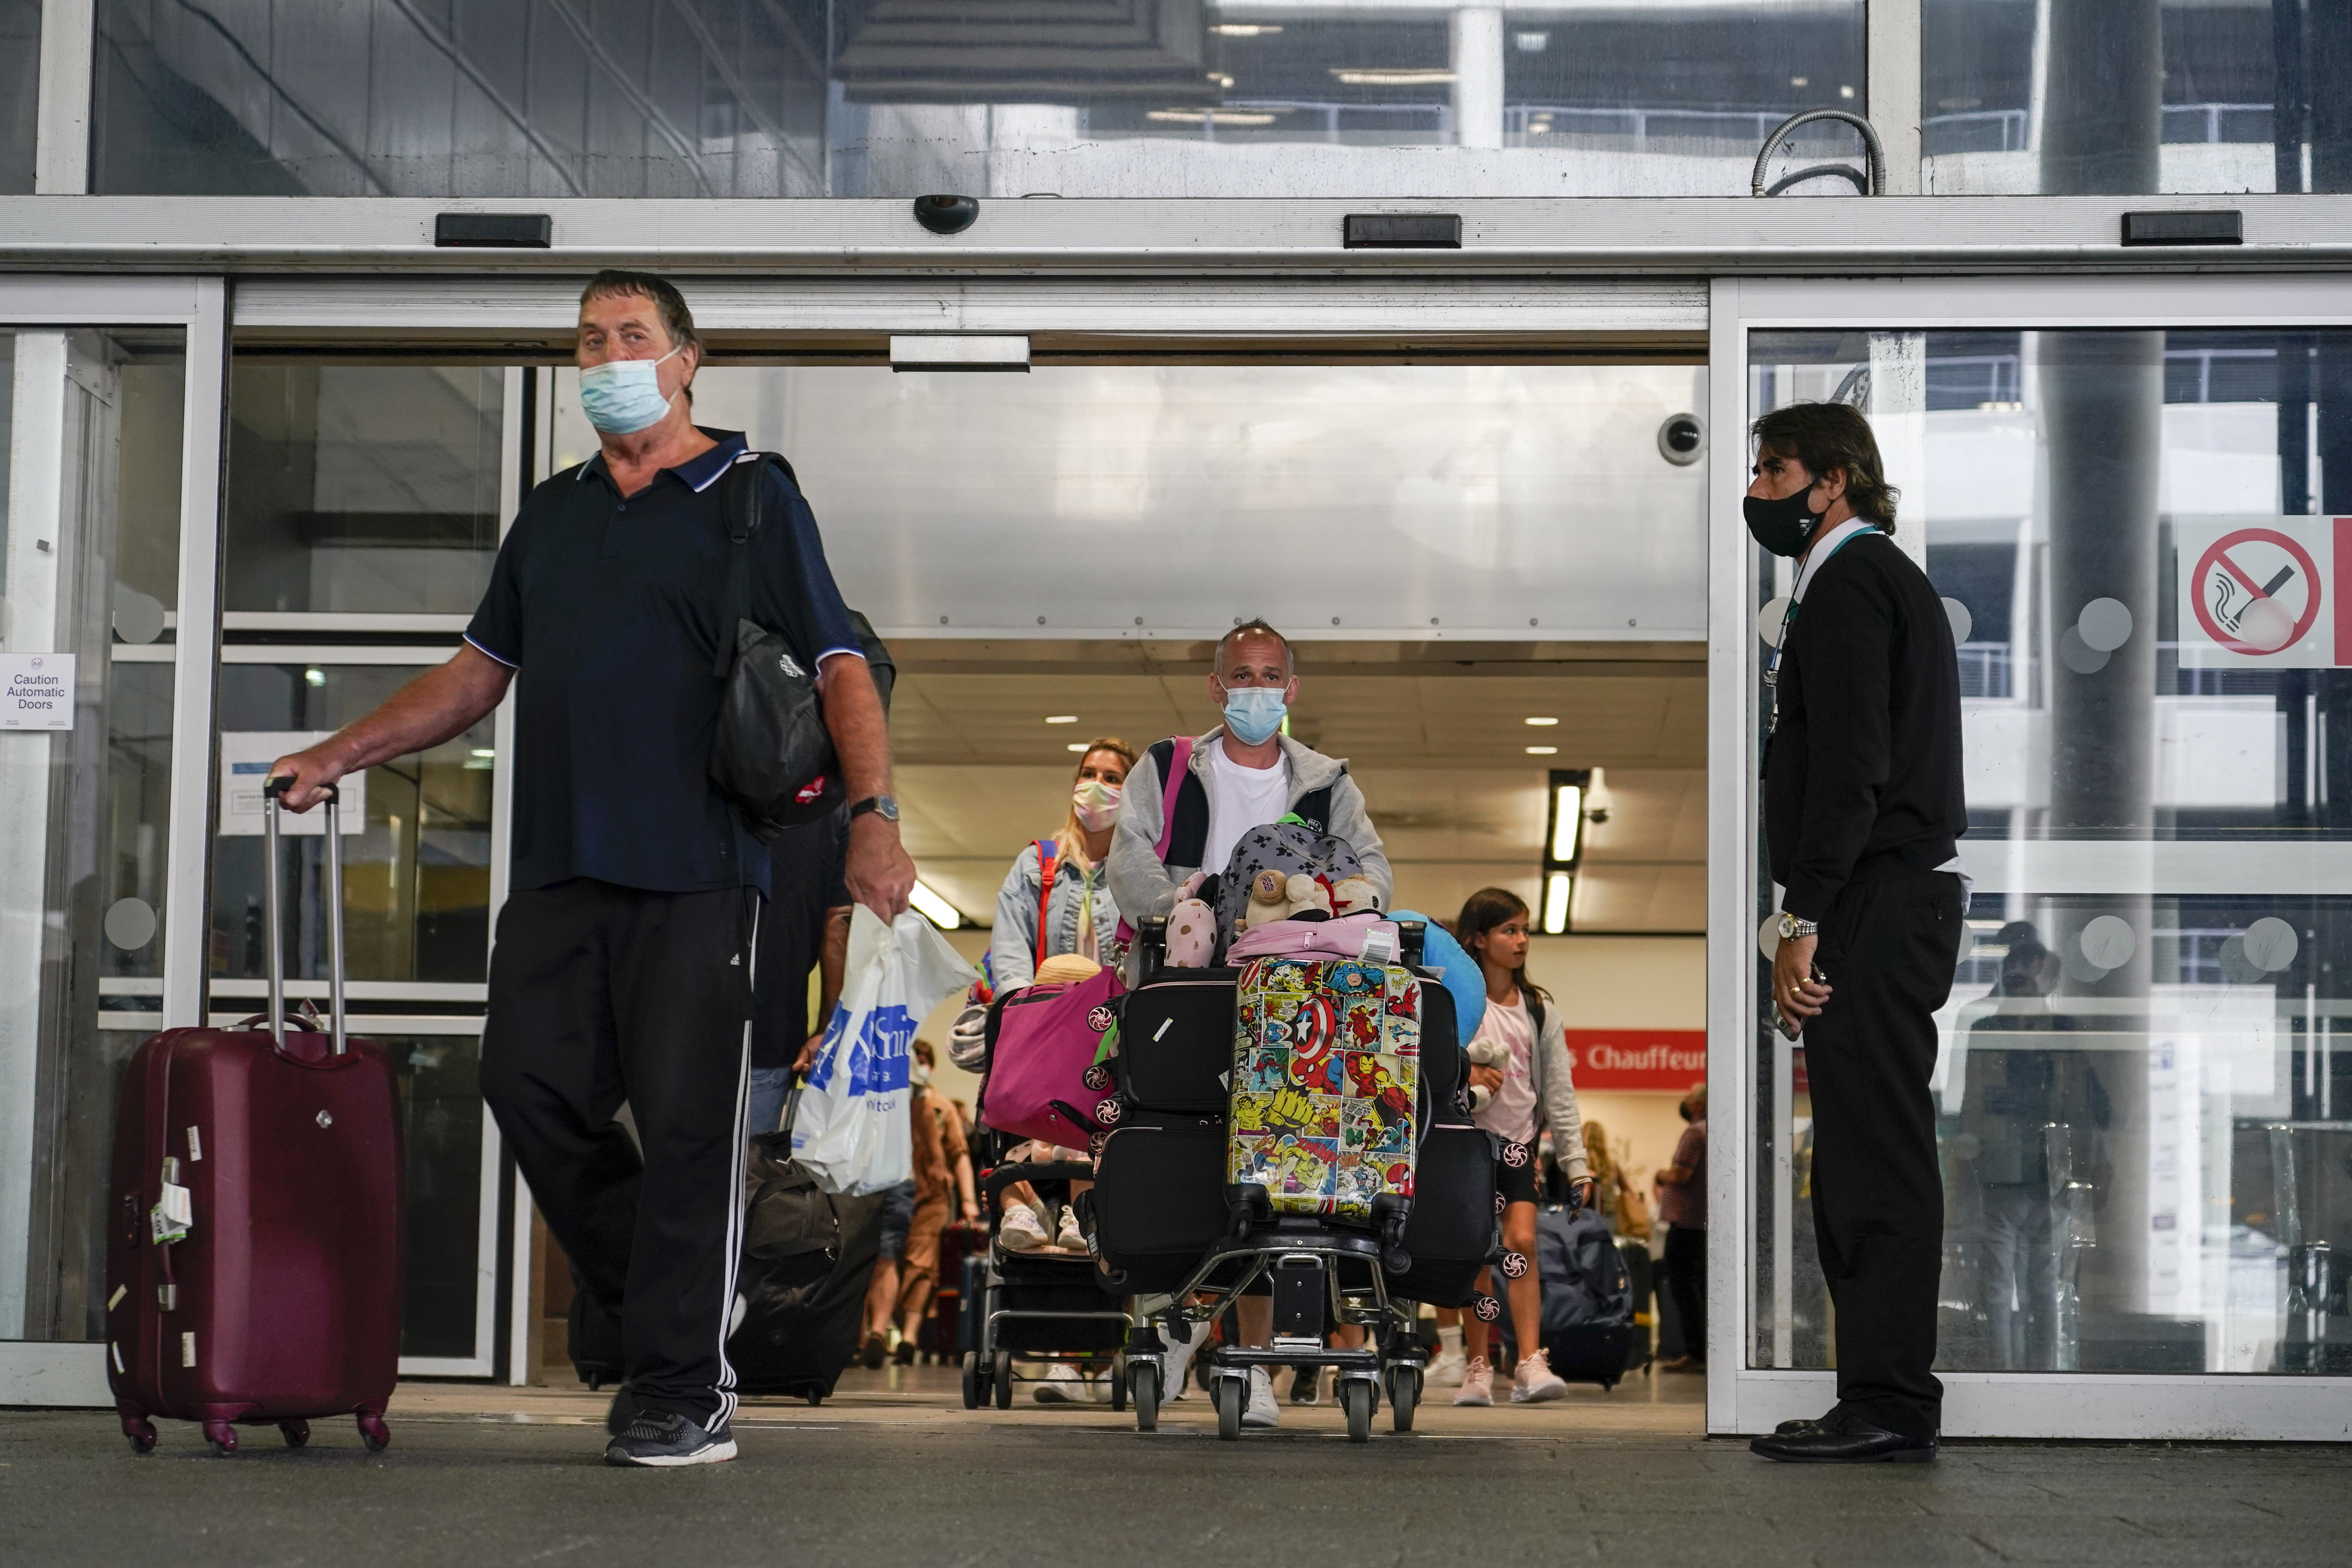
891,98
2143,1093
2084,97
362,489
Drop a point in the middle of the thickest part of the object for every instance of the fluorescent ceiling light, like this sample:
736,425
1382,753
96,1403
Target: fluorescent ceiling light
1076,746
935,909
1061,718
1213,116
1568,816
1377,76
1556,888
1245,29
484,752
1543,723
1543,750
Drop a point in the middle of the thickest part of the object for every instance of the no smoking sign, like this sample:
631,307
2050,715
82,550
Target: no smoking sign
2266,592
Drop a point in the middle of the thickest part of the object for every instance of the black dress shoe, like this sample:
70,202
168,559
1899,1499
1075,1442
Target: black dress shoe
1807,1424
1845,1440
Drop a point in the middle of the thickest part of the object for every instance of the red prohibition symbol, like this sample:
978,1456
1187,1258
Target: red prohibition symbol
2247,591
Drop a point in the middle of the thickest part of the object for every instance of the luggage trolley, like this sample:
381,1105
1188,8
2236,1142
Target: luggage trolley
1322,1272
1039,1307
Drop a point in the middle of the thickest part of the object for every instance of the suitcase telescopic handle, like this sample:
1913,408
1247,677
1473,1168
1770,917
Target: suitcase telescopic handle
273,793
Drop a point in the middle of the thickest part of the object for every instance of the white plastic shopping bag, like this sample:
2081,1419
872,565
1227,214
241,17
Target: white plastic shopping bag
852,1129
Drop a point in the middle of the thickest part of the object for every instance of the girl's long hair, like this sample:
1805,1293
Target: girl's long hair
1072,839
1482,912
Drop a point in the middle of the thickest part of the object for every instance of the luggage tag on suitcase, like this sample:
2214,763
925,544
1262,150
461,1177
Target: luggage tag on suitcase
169,1220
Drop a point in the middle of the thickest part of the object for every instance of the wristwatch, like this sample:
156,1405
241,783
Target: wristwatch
882,806
1791,926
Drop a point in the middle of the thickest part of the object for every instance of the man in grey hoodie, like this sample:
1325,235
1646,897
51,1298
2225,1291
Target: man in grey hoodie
1244,774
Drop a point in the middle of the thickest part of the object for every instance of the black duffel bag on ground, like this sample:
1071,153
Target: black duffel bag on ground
773,756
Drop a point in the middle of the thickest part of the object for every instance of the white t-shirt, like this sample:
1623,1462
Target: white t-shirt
1240,798
1511,1114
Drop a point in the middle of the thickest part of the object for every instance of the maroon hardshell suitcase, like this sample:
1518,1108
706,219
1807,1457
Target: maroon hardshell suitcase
255,1229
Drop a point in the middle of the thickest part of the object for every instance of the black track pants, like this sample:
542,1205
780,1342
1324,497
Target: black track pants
1887,950
600,994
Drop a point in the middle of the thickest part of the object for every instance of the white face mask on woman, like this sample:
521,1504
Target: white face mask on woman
1097,804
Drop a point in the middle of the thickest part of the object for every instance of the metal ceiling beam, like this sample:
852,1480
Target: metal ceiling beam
1686,236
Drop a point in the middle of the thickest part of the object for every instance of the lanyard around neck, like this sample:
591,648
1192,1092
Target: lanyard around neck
1837,538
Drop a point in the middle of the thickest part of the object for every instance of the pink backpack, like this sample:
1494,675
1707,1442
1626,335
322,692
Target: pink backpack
1048,1062
1366,935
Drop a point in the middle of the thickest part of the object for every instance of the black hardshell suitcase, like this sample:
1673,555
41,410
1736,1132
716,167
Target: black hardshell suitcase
1453,1230
1176,1042
1159,1200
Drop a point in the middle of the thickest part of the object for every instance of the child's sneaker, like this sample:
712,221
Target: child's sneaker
1020,1231
1535,1380
1477,1382
1069,1236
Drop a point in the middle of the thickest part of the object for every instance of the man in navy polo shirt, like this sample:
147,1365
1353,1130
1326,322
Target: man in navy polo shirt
624,964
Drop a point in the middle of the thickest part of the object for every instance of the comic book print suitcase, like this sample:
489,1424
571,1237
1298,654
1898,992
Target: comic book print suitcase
1327,1060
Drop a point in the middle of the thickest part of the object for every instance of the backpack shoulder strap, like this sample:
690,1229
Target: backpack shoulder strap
1183,804
1314,807
1047,850
742,504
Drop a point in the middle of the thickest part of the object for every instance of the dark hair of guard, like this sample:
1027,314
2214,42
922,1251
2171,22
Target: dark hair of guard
1829,436
1481,911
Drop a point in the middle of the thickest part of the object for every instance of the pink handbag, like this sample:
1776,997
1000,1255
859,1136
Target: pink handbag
1367,935
1048,1072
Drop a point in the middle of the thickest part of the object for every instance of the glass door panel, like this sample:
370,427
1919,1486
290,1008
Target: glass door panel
90,456
2144,1104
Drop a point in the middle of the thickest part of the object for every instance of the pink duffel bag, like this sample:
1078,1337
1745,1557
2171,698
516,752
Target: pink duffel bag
1367,935
1049,1075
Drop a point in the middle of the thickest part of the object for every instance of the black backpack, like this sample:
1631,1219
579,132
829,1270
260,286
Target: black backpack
773,756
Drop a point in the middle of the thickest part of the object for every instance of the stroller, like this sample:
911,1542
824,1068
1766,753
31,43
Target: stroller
1169,1225
1037,1309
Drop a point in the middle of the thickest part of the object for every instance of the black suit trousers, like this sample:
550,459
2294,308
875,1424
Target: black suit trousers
1888,951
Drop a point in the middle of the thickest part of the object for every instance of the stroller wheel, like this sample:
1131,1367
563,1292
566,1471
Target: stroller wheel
1229,1393
1005,1380
1355,1399
1145,1379
1116,1378
971,1380
1404,1394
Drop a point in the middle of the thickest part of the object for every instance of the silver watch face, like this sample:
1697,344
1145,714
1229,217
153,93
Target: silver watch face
885,807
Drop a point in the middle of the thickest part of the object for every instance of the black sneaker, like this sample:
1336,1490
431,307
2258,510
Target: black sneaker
1302,1385
625,1409
904,1354
661,1437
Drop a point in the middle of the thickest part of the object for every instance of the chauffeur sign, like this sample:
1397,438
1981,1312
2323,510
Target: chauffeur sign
40,691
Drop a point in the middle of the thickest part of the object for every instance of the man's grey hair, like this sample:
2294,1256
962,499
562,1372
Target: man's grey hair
1254,628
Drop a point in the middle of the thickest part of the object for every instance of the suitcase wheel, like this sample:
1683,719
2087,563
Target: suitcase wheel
140,1433
222,1436
297,1432
815,1396
374,1432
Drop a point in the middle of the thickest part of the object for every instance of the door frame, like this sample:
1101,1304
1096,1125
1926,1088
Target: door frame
1744,1399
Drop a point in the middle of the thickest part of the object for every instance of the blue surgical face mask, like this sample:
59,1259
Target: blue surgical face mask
1252,713
622,396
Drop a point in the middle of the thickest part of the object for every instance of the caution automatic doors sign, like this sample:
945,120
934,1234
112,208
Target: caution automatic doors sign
2264,592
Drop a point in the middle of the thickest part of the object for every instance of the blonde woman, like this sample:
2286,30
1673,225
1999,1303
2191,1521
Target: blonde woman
1055,899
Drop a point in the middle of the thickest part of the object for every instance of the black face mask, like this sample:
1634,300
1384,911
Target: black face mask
1783,526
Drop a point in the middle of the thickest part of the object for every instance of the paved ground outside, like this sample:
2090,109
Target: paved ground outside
894,1471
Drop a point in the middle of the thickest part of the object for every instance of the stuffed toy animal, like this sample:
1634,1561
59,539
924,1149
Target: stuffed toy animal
1354,895
1274,897
1191,935
1486,1053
